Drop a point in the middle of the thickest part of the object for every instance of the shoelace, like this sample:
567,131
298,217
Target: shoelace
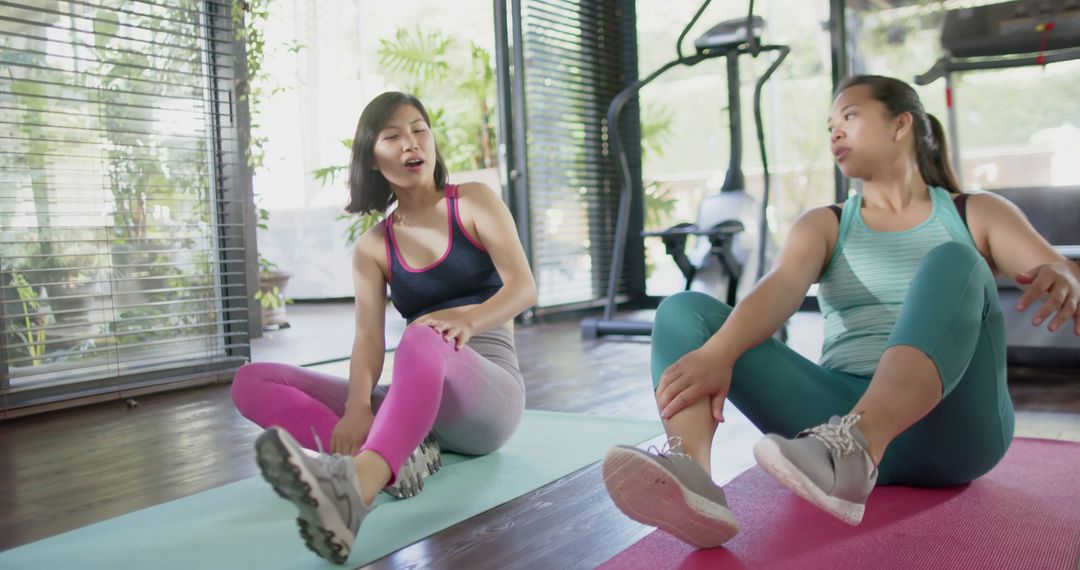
837,437
318,440
673,446
327,461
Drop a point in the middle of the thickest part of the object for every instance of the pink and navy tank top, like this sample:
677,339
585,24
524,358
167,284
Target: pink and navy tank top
464,275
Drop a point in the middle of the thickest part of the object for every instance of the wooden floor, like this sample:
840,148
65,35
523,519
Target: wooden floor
68,469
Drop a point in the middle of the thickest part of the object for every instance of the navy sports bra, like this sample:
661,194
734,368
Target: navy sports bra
464,275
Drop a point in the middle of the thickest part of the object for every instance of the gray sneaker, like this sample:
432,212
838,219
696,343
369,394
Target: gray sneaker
827,465
423,463
666,489
324,488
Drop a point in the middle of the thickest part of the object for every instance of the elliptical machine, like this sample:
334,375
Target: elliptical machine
718,215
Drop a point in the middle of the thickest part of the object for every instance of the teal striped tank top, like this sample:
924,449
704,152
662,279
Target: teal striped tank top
867,279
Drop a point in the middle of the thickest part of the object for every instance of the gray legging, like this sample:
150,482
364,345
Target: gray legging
482,405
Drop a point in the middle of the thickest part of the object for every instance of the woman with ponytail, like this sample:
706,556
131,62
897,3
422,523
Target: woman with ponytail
911,386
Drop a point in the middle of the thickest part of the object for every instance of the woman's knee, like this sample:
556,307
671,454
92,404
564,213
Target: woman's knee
419,339
247,383
952,254
676,309
952,267
422,358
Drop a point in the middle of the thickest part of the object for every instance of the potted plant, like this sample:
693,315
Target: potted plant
35,318
271,294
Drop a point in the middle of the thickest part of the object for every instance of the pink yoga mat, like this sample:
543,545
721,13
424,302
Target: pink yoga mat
1023,514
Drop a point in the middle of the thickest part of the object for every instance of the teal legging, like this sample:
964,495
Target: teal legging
951,313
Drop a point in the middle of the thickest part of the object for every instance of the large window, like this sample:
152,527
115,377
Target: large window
1017,127
120,216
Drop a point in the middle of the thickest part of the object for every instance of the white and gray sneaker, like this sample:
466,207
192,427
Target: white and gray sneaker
424,462
827,465
324,488
667,489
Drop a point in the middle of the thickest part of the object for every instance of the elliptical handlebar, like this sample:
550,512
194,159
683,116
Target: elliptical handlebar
764,223
753,42
615,142
686,30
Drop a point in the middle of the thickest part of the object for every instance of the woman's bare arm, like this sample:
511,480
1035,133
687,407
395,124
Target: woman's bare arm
1005,237
1012,247
497,232
707,370
369,343
779,294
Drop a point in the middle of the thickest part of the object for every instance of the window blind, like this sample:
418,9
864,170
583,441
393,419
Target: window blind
121,204
578,56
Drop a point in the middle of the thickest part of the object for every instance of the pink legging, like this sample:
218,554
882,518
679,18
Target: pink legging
471,399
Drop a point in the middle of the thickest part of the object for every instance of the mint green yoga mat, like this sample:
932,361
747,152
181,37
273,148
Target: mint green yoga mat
245,525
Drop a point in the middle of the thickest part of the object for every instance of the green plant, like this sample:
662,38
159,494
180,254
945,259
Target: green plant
358,224
419,54
249,21
272,298
659,205
35,320
269,296
480,85
328,174
49,281
266,266
656,130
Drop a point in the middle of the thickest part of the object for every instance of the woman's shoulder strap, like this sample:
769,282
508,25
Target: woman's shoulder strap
953,213
961,206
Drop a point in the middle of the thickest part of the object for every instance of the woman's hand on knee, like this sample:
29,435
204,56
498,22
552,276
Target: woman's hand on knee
351,431
1059,282
698,374
457,330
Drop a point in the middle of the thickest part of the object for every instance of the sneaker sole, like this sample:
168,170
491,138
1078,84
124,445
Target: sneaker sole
320,524
776,464
424,462
649,494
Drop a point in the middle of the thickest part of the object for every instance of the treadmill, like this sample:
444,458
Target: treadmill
998,36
